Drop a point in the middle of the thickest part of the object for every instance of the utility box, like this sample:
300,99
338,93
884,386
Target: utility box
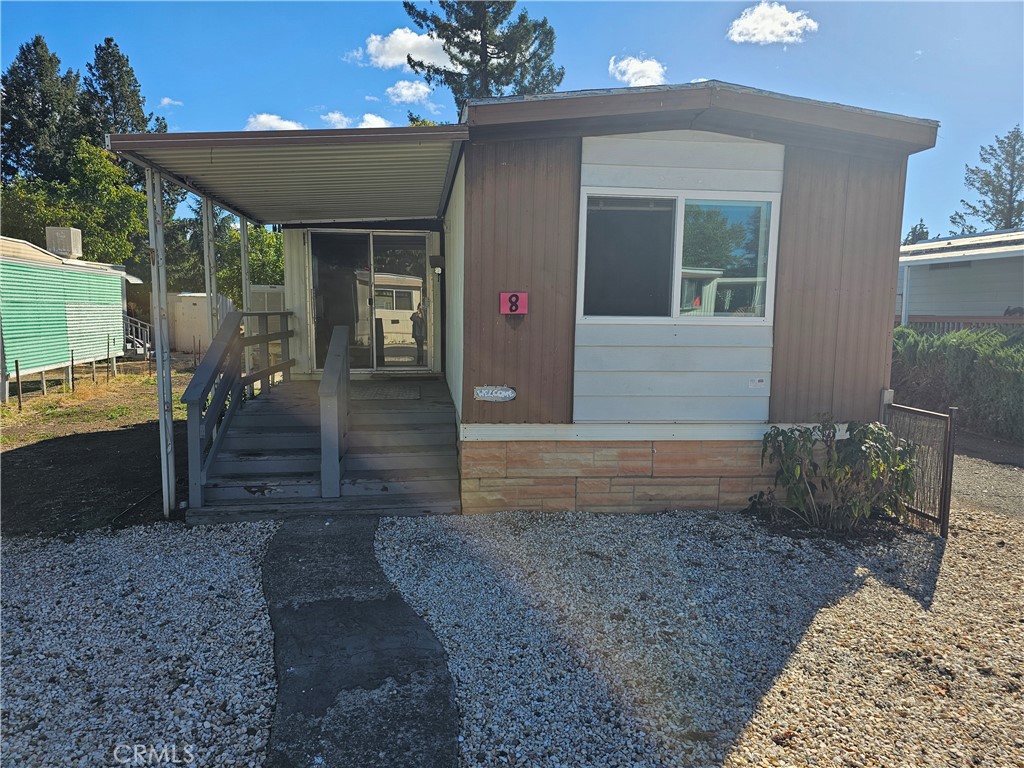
64,241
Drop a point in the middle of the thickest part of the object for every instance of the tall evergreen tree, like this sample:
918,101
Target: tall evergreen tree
112,100
41,118
916,233
1000,182
491,55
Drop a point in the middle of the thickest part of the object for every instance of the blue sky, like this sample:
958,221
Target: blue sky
229,66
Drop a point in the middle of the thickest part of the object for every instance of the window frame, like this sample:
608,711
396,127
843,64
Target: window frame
680,196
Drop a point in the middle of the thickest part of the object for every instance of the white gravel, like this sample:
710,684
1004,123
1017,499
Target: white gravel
155,636
699,638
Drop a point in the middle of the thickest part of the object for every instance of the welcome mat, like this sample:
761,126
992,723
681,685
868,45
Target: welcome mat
384,391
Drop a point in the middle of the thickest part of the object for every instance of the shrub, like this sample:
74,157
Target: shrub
979,371
835,484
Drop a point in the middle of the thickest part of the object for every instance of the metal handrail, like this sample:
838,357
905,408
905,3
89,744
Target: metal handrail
138,334
214,393
333,393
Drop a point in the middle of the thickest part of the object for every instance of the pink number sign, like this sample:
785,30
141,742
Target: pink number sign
513,302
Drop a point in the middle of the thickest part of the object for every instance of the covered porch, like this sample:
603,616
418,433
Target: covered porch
339,402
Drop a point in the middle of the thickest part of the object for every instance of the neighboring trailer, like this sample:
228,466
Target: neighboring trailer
53,308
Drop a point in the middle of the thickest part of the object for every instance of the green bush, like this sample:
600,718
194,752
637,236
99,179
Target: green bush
835,484
979,371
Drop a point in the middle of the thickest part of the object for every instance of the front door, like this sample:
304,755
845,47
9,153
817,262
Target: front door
376,284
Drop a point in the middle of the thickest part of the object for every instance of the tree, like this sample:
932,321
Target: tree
41,118
917,233
266,261
999,180
418,121
489,54
96,199
711,241
112,100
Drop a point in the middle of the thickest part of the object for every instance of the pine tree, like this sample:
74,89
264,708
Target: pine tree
112,100
1000,182
490,54
41,119
916,233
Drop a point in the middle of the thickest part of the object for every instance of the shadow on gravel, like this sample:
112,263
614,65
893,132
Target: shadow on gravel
83,481
685,619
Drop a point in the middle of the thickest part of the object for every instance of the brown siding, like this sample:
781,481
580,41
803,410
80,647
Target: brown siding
522,219
836,284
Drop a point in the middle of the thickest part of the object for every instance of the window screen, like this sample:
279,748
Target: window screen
629,257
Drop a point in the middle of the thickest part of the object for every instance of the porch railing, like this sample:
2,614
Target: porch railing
334,413
214,394
138,336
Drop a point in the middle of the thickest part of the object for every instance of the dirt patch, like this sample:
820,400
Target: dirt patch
73,461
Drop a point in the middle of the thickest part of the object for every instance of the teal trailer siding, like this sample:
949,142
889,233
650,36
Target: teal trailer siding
50,312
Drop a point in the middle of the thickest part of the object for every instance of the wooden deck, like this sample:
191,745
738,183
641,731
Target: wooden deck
400,458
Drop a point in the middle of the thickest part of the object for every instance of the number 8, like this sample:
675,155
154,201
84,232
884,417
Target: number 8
513,302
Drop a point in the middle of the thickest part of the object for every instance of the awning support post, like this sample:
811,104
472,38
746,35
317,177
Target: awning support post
905,308
243,231
161,334
210,266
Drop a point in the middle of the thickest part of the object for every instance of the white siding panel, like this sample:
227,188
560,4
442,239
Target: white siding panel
671,383
673,336
297,296
655,409
753,360
721,180
455,287
637,371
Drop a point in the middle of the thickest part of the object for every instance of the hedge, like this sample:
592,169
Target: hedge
979,371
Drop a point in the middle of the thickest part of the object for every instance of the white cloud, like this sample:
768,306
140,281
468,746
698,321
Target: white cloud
372,98
390,51
337,120
374,121
699,80
354,57
264,121
767,23
167,101
408,92
634,71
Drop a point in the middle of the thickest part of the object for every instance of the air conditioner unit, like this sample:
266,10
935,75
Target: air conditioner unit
64,241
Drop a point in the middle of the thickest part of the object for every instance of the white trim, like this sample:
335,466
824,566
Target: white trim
1006,252
680,197
753,430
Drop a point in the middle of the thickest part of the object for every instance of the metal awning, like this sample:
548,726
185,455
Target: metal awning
291,177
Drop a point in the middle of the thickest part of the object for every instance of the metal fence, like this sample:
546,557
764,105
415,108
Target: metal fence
933,436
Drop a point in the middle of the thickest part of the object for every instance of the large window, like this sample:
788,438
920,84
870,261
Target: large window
677,256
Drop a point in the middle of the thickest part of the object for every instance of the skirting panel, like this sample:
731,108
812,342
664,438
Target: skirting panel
610,476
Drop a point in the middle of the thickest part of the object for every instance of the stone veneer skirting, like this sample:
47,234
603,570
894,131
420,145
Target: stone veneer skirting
610,476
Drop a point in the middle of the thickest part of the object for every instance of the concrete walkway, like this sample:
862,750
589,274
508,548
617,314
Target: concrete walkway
362,681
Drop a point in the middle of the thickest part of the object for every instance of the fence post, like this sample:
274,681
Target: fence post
72,369
17,376
42,380
108,358
93,371
947,474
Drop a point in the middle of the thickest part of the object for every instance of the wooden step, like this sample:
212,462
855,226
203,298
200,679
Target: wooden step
446,472
405,488
238,488
381,462
359,419
256,440
439,435
265,463
277,420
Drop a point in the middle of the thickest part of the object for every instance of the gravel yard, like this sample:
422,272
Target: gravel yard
700,638
155,636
